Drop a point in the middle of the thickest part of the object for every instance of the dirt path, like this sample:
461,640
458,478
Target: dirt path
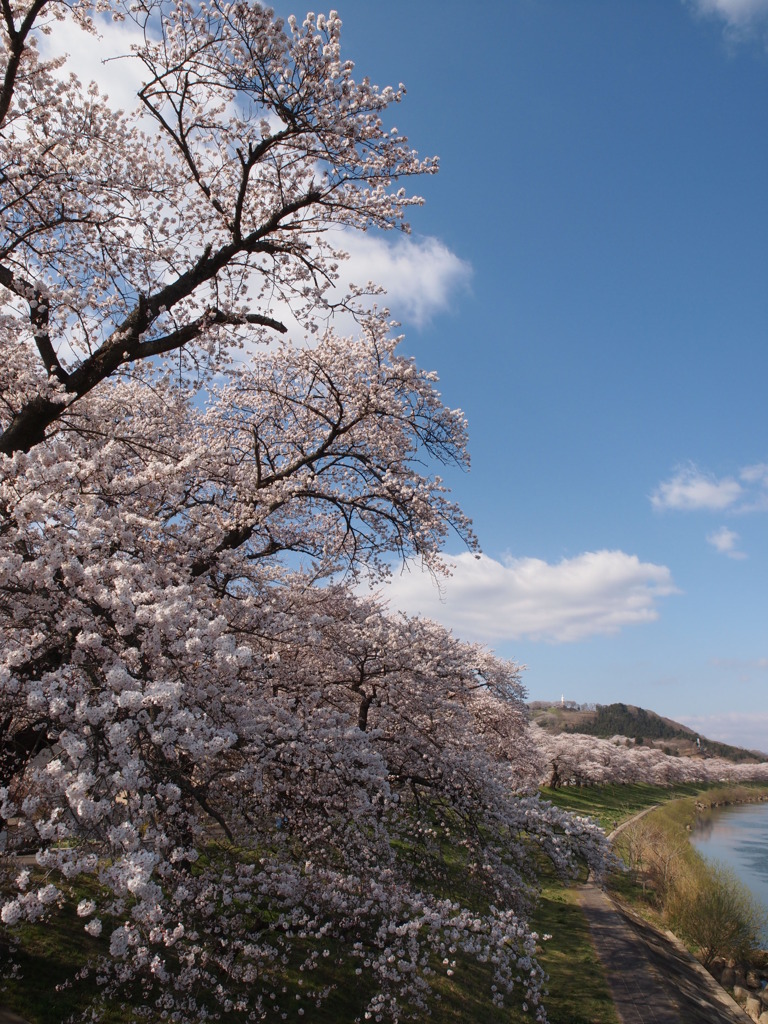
652,976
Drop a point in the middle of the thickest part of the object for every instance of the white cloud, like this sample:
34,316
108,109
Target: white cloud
595,593
725,541
690,489
93,58
757,474
741,18
747,729
421,276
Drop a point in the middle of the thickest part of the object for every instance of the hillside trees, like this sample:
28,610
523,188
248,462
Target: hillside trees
200,722
618,719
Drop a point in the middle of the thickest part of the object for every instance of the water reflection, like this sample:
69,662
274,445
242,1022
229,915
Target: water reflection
704,828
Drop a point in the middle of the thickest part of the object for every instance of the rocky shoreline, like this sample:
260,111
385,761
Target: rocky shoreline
749,984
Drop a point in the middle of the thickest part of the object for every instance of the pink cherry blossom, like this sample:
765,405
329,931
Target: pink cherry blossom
199,717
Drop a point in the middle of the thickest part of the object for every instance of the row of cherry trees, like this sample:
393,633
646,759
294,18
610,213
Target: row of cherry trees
573,759
224,758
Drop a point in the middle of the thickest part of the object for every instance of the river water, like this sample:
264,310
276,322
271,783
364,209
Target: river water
738,837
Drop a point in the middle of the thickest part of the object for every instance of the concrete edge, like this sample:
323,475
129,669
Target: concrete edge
8,1017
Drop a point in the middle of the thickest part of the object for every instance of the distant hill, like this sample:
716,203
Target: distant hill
636,724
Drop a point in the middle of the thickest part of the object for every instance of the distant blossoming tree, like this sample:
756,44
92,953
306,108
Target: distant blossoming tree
575,759
199,720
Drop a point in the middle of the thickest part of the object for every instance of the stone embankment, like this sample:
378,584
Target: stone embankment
749,987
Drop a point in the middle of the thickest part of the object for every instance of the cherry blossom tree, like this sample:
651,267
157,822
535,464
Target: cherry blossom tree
242,763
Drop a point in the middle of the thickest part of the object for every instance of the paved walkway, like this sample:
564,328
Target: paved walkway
652,977
6,1017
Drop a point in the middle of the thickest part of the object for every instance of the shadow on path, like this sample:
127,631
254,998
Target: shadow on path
6,1017
652,977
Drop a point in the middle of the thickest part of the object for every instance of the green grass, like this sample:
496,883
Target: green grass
578,992
48,957
612,803
54,952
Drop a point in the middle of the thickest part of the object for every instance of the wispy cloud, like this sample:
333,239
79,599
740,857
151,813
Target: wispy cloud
595,593
725,541
741,19
755,480
691,489
747,729
421,276
757,474
743,669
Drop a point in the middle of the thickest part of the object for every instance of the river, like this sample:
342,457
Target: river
738,837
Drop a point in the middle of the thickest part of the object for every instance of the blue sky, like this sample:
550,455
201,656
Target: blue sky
604,179
588,277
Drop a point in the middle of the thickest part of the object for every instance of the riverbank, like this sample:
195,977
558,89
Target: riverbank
671,885
656,849
652,827
737,837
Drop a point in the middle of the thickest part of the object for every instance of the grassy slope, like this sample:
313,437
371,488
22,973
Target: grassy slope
612,804
55,952
52,954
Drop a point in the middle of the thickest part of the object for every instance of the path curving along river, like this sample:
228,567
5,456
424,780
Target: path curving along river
737,836
652,977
